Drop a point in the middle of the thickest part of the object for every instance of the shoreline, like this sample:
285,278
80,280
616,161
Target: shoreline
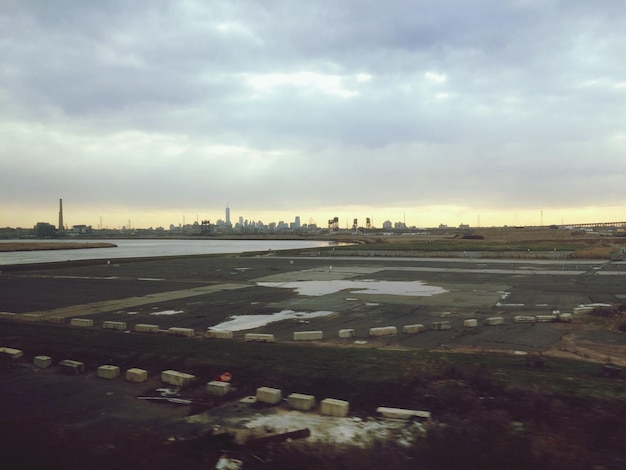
47,246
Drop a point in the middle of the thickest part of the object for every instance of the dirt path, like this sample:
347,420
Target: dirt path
120,304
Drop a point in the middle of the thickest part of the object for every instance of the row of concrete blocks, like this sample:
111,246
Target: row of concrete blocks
299,401
332,406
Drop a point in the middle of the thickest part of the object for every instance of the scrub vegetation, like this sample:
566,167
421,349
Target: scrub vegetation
490,410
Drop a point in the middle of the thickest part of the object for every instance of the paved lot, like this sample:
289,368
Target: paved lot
204,292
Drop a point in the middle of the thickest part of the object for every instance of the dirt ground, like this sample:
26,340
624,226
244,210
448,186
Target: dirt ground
203,292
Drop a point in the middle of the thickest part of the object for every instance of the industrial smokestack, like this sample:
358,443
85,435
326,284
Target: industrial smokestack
61,228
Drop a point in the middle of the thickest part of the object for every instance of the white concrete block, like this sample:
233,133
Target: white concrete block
146,328
399,413
524,319
180,379
108,372
259,337
114,325
546,318
68,366
269,395
413,329
217,388
298,401
136,375
31,317
176,331
82,322
308,335
8,316
565,317
492,321
11,352
470,323
346,333
440,325
384,331
333,407
43,362
220,334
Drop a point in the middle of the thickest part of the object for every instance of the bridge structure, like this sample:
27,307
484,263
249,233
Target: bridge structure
596,224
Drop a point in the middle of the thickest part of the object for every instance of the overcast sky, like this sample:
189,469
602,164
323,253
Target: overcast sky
428,112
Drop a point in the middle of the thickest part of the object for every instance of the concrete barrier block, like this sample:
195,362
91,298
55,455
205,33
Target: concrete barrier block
269,395
180,379
413,329
471,323
298,401
219,334
524,319
43,362
11,352
546,318
114,325
176,331
8,316
334,407
217,388
492,321
136,375
384,331
71,367
440,325
308,335
108,372
399,413
58,319
146,328
259,337
31,317
346,333
82,322
565,317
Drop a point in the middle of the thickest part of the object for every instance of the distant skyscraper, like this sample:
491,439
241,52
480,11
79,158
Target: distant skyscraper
228,215
61,215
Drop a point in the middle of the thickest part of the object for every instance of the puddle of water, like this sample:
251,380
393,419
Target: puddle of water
319,288
166,312
248,322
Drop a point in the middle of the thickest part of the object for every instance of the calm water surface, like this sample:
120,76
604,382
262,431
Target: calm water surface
151,248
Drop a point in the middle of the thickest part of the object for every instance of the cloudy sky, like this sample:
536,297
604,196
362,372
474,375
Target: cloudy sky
429,112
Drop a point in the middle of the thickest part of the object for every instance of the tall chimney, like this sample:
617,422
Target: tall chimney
61,228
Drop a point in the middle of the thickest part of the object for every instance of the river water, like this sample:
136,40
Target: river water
154,247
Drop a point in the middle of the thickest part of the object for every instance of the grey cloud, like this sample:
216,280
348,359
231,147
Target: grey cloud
502,103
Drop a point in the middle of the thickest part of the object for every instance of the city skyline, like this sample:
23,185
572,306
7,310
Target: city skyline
429,113
345,220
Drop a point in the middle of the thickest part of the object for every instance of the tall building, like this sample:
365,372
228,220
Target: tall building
228,215
61,215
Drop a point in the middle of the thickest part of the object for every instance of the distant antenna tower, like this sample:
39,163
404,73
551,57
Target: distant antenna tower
541,224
